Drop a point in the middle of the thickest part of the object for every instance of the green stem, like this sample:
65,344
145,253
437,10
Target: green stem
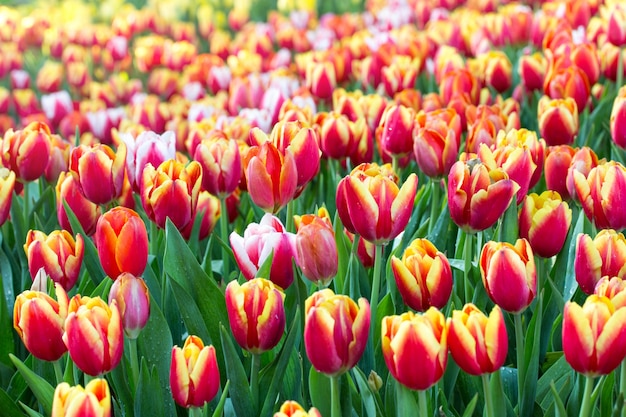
620,70
422,401
134,361
195,411
467,256
435,205
519,347
335,399
375,286
587,405
622,385
26,205
488,399
394,165
289,220
405,401
58,372
224,236
255,366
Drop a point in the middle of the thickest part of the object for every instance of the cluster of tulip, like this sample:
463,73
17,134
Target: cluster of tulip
313,196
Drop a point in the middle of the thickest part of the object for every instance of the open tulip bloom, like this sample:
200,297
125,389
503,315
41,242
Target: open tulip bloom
278,208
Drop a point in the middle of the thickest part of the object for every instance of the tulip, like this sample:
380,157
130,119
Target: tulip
423,276
59,158
477,195
616,30
339,135
194,375
457,82
415,347
371,204
478,343
133,300
321,79
256,314
7,185
525,139
26,152
436,140
604,255
483,126
147,147
98,171
92,401
209,210
221,165
87,213
397,132
618,119
272,177
336,331
569,82
122,241
509,275
400,74
258,242
600,194
558,120
39,320
171,191
532,71
93,334
583,161
555,168
614,289
57,253
594,336
498,70
544,221
292,409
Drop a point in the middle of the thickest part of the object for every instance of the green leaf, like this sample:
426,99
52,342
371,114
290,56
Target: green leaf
182,266
367,397
189,312
266,267
559,408
469,408
531,357
41,388
497,394
8,406
219,410
6,324
570,284
29,411
319,390
240,394
148,398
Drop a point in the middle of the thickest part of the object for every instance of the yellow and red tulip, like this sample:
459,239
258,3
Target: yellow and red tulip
133,300
415,347
397,130
544,221
292,409
618,119
556,166
209,209
532,70
194,375
478,344
316,249
221,165
26,152
509,274
87,213
336,330
93,334
7,186
256,314
75,401
558,120
604,255
614,288
423,276
321,79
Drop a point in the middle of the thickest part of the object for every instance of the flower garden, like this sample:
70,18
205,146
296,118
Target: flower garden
388,208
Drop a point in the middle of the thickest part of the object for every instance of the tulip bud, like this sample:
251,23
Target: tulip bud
316,249
478,343
93,400
58,254
569,82
98,172
544,221
39,321
221,165
293,409
532,71
436,141
509,275
555,168
321,79
335,331
194,375
397,133
94,335
423,276
604,255
256,314
618,118
118,230
558,120
415,347
498,70
371,204
7,185
133,300
594,336
26,152
616,30
87,213
339,135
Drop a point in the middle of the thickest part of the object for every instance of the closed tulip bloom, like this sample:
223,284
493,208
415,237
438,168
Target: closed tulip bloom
532,70
544,221
57,253
583,161
436,142
457,82
618,118
336,330
94,335
478,196
39,321
498,70
555,168
98,171
339,135
26,152
614,288
558,120
478,343
397,132
272,177
171,191
87,213
601,194
7,185
261,239
371,204
316,250
415,347
423,276
509,275
92,401
601,256
194,375
221,165
122,241
594,336
256,314
616,30
320,79
569,82
147,147
292,409
133,300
